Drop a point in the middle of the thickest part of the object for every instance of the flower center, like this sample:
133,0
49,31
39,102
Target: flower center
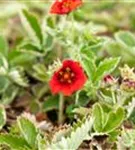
67,4
66,76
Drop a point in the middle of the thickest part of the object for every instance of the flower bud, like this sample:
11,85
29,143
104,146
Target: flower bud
108,79
128,85
127,73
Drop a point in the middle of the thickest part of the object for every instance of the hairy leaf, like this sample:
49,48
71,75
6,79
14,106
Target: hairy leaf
114,120
51,103
125,38
3,46
78,134
28,130
2,116
17,76
20,58
14,142
32,27
105,67
9,94
88,61
3,84
98,115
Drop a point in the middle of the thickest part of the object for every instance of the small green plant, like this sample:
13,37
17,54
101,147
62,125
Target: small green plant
29,136
71,72
12,75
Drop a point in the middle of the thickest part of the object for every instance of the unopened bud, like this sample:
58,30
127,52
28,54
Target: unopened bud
128,85
109,80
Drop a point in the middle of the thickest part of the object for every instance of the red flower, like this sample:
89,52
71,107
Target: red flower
64,6
68,79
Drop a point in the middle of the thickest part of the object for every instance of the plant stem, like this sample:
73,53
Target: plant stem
113,97
77,97
61,109
72,27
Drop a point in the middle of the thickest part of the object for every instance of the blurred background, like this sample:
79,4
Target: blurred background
105,16
108,15
100,17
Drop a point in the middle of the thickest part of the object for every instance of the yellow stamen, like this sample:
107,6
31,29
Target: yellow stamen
69,81
61,73
68,69
66,76
72,74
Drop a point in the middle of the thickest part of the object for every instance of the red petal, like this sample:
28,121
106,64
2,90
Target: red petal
59,6
68,89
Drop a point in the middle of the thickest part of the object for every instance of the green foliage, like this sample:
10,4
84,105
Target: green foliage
50,103
32,27
127,139
2,116
107,122
31,138
124,43
3,46
18,58
78,133
126,39
25,71
114,120
28,130
88,61
11,75
39,72
95,72
104,68
99,117
14,142
28,136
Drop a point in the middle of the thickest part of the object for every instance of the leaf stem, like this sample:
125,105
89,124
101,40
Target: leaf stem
77,97
61,109
113,97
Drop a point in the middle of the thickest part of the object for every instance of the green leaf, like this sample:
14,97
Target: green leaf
28,46
2,116
51,103
127,139
88,61
132,116
17,76
127,54
41,143
14,142
98,115
28,130
20,59
34,107
39,90
3,84
113,136
82,111
78,134
32,27
83,99
3,64
105,67
9,95
39,72
125,38
48,42
69,110
3,46
114,120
